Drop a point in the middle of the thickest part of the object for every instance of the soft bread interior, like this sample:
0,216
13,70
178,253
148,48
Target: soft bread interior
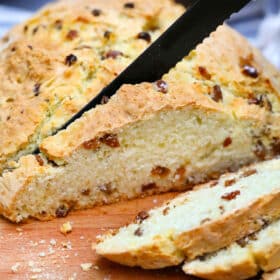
171,149
194,212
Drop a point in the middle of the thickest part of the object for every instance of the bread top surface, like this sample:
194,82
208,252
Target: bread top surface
213,77
54,63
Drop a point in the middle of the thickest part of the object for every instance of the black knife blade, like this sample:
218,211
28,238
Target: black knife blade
201,18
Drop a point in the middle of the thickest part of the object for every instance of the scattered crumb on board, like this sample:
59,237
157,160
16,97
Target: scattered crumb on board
66,228
86,266
15,267
54,251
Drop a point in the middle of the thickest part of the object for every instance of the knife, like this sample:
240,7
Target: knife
201,18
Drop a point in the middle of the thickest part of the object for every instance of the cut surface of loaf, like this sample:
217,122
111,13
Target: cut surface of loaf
242,259
217,110
200,221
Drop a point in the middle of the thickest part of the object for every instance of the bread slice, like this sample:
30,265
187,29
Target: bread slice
200,221
58,60
273,275
217,110
234,263
242,259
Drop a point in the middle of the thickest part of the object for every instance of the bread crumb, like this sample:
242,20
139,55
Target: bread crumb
33,244
66,228
42,241
36,270
42,254
30,263
34,277
73,277
96,267
15,267
86,266
67,245
53,242
51,251
18,229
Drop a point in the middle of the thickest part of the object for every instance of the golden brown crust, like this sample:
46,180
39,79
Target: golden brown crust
160,255
235,52
270,259
15,182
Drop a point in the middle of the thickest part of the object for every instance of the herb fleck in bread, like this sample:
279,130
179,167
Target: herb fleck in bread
200,221
242,259
217,110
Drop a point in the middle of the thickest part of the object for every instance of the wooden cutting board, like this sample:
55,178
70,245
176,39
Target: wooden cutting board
38,250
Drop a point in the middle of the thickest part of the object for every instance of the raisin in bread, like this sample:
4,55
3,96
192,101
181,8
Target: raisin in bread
200,221
217,110
242,259
62,57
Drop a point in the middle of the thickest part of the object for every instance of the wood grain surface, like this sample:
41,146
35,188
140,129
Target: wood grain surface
38,250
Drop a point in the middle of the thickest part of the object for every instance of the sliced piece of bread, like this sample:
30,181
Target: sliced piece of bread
200,221
242,259
233,263
215,111
273,275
